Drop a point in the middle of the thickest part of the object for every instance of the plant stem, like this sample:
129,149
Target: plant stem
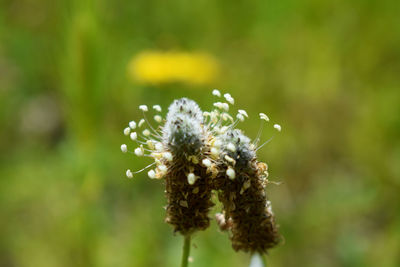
186,251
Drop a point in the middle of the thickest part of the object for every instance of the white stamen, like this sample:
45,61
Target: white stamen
132,124
206,162
277,127
240,117
216,92
159,146
150,144
264,117
151,174
167,156
229,159
139,151
229,98
214,152
124,148
133,136
230,172
162,168
129,174
141,122
191,178
127,130
146,132
157,108
243,112
231,147
225,106
223,129
158,118
218,143
143,108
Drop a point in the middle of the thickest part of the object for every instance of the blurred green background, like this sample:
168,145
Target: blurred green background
327,71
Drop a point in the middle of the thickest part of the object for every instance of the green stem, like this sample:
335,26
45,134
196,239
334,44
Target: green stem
264,259
186,251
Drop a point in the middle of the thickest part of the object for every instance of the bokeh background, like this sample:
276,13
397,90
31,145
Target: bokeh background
70,81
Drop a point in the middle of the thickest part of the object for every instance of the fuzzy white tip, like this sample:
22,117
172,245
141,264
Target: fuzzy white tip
214,152
206,162
138,151
127,130
229,98
277,127
225,106
159,146
231,147
129,174
143,108
264,117
216,92
230,172
141,122
243,112
132,124
151,174
240,117
191,178
158,118
146,132
124,148
162,168
218,143
167,156
157,108
133,136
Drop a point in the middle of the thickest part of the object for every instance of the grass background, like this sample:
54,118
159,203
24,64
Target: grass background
328,71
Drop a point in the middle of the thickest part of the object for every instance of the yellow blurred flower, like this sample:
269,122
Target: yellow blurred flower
157,67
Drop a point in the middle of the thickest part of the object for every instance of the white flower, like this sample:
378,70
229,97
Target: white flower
225,106
159,146
229,98
191,178
132,124
157,108
146,132
162,168
240,117
216,92
167,156
151,174
206,162
124,148
231,147
127,130
158,118
143,108
129,174
277,127
264,117
133,136
139,151
230,172
243,112
141,122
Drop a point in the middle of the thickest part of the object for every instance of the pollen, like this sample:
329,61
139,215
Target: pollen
263,116
151,174
216,92
157,108
144,108
158,118
139,151
132,125
146,132
141,122
124,148
127,130
191,178
230,172
129,174
133,136
277,127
